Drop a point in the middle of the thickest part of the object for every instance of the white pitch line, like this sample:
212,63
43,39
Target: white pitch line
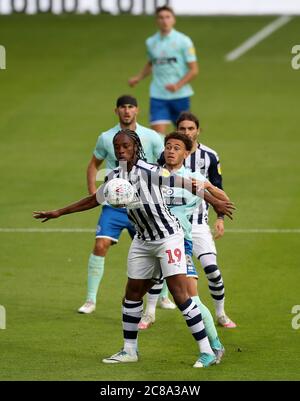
258,37
89,230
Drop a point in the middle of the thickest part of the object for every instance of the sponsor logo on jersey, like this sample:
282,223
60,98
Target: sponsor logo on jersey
164,60
169,191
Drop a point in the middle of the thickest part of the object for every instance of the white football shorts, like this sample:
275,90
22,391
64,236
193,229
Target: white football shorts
203,241
154,259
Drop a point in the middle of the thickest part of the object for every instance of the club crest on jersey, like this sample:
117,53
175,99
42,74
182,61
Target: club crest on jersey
200,163
134,179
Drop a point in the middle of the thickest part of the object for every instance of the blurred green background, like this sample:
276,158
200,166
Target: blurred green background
57,94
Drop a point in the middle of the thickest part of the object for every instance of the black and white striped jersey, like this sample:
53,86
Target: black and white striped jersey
150,215
205,161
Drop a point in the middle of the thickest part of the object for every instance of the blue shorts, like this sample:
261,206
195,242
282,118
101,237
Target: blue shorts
164,111
112,222
191,269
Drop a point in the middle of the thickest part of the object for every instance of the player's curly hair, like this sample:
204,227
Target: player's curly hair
188,143
140,154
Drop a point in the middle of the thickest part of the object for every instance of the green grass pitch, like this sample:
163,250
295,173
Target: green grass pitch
58,91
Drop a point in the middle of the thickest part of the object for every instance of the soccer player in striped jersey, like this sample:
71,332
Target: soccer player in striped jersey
113,221
157,248
206,161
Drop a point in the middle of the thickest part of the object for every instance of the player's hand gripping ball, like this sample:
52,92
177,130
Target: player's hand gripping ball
119,193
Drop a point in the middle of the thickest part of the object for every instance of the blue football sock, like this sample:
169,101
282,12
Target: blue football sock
95,273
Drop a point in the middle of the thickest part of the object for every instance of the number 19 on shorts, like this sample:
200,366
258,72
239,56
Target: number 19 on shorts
174,256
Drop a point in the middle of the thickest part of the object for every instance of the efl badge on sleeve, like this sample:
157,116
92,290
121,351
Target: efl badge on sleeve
165,173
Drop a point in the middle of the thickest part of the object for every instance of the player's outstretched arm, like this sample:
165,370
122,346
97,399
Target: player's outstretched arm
212,189
84,204
221,195
221,203
221,207
215,191
218,194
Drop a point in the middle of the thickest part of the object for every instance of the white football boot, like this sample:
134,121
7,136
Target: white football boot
166,303
226,322
121,357
146,321
88,307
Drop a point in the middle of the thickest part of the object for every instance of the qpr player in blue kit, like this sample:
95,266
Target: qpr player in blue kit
173,64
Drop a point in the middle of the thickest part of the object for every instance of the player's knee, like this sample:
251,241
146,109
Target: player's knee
136,289
102,246
134,294
179,289
180,297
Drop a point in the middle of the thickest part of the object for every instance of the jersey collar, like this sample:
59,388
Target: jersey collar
118,127
179,171
166,37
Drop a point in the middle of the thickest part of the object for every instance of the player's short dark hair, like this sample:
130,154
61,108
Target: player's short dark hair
135,139
126,99
187,116
164,8
188,143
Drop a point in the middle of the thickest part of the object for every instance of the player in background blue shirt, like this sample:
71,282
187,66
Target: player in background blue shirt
173,63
